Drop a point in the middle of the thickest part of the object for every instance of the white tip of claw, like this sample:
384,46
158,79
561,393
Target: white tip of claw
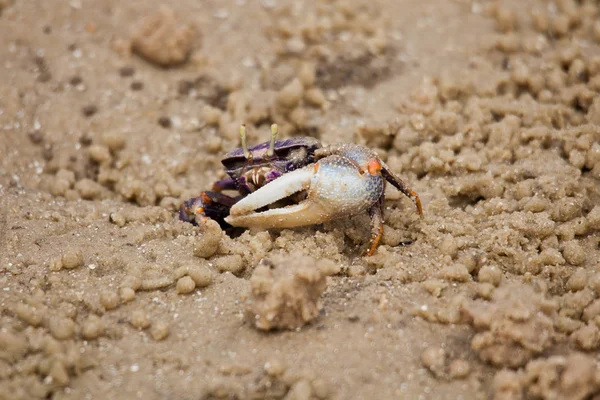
303,214
278,189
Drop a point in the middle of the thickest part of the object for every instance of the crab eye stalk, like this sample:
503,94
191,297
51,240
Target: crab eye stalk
271,150
247,154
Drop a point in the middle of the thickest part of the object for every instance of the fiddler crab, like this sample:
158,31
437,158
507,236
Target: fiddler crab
297,182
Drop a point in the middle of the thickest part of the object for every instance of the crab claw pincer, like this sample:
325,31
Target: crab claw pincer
347,180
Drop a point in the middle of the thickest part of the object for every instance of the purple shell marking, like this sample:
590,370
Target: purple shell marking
259,151
290,154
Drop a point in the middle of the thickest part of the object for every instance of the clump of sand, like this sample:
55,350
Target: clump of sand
571,377
163,40
285,291
516,325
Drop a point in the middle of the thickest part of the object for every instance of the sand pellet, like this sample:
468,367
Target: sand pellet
201,274
573,253
455,272
51,346
118,219
66,175
307,74
300,390
62,328
114,140
207,241
593,218
13,347
99,153
139,319
88,189
156,283
72,195
92,327
109,299
185,285
231,263
578,280
587,337
290,96
449,246
274,367
72,258
315,97
59,373
162,39
211,115
490,274
131,281
560,25
55,264
506,19
28,314
592,311
59,186
434,359
159,330
126,294
459,369
179,272
485,290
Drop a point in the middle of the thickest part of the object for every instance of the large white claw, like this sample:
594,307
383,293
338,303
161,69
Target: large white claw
306,213
288,217
335,188
280,188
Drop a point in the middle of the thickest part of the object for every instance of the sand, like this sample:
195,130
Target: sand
113,113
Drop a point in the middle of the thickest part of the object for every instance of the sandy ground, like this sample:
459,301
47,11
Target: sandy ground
113,112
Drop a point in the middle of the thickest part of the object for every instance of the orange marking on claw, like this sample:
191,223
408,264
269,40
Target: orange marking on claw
316,168
205,198
374,167
199,210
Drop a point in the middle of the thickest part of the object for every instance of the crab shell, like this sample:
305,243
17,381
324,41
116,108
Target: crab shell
289,155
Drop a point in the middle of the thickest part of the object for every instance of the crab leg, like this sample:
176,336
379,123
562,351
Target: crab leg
402,186
209,204
376,214
224,184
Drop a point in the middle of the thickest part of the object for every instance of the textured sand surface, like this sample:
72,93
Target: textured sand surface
112,113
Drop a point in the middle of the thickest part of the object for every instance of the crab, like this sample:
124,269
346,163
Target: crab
298,182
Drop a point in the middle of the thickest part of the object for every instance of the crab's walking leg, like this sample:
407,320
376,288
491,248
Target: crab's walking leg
224,184
376,214
402,186
209,204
